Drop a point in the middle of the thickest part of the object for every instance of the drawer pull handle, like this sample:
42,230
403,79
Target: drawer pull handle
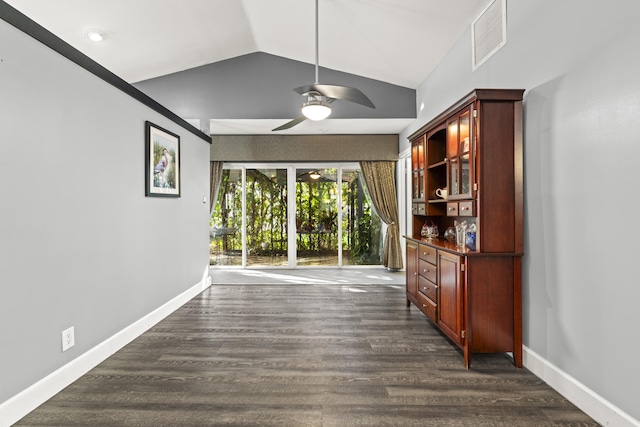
452,209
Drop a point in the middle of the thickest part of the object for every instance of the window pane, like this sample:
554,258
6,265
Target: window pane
361,226
266,217
226,221
316,217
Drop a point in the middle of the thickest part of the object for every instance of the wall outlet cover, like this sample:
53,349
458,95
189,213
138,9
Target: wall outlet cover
68,339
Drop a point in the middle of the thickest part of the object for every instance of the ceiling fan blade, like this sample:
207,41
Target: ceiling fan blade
337,92
290,124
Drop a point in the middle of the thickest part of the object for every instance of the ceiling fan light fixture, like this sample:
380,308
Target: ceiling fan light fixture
314,175
316,109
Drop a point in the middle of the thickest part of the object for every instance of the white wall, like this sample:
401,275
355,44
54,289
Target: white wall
80,243
579,64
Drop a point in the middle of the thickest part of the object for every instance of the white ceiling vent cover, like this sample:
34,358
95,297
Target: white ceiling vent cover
488,32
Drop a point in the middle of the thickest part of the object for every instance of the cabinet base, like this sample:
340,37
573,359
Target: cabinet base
466,346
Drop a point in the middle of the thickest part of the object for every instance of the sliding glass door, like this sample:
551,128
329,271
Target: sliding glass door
362,236
226,224
288,216
317,217
266,217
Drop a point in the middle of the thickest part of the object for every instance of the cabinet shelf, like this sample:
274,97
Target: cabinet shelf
437,165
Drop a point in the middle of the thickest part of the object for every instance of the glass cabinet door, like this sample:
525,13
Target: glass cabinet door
454,176
418,165
465,148
416,185
459,155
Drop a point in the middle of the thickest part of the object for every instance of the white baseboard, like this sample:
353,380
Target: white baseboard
27,400
577,393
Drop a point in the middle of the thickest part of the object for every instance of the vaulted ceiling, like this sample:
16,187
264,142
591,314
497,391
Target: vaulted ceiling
393,41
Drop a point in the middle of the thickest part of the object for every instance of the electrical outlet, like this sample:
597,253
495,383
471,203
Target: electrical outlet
68,339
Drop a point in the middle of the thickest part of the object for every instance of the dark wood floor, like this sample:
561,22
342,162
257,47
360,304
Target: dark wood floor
302,355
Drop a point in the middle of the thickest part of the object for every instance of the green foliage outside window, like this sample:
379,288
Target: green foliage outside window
316,217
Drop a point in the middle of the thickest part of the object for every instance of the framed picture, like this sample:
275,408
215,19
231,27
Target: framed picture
162,164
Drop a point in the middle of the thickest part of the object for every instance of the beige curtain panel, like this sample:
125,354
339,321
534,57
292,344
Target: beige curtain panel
215,177
379,177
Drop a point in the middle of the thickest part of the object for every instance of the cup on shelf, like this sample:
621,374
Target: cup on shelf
441,192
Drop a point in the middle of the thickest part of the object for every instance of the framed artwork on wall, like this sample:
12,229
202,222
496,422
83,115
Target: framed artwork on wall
162,164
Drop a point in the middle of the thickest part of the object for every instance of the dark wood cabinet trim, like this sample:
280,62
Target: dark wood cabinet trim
477,94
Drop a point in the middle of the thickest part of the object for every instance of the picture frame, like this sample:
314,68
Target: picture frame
162,162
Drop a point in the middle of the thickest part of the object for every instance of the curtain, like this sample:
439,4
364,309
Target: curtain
379,177
215,176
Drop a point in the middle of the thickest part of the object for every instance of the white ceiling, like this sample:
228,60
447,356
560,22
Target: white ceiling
396,41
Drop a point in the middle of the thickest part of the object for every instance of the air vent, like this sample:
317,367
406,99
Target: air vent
488,32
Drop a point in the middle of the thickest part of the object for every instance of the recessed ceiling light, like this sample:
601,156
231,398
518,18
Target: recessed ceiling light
95,35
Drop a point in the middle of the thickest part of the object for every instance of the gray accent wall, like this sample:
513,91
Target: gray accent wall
260,86
81,245
579,64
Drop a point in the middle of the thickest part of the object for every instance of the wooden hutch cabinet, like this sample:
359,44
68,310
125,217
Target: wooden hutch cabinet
474,151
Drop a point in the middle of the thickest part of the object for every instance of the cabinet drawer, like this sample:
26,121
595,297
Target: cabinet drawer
418,209
452,209
428,307
467,208
427,253
428,288
427,270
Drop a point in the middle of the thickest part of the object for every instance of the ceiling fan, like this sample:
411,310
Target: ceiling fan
320,97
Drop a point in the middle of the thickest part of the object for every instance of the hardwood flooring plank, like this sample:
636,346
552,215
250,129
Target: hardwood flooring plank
314,354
